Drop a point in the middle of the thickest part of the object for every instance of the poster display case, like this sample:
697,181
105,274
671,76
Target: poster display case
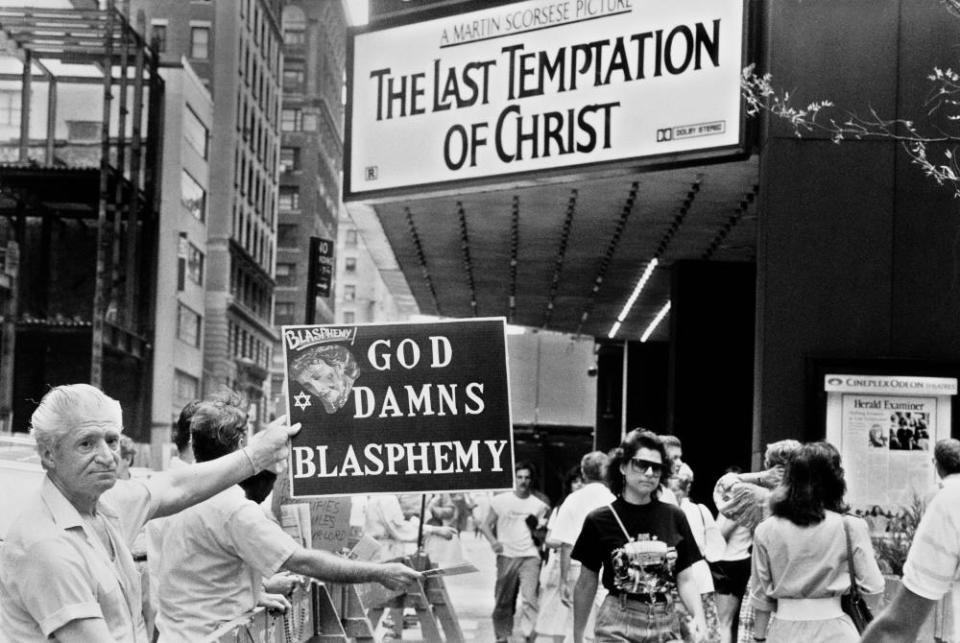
886,427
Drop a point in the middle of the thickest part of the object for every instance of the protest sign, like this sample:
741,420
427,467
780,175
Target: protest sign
399,408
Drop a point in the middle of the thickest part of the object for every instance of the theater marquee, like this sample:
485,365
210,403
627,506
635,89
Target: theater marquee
517,90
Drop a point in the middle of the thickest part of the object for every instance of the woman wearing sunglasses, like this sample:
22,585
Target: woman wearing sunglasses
645,549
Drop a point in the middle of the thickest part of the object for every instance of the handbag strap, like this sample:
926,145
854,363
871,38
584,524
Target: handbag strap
854,589
620,522
703,518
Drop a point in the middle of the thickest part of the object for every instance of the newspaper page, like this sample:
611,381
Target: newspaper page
885,427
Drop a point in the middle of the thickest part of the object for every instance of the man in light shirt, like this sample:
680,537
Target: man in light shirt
217,553
933,563
566,529
154,529
66,571
518,560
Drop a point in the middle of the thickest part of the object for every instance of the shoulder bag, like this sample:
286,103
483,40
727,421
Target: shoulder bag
853,603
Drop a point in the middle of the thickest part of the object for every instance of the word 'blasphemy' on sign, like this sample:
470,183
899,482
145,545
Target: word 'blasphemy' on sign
399,407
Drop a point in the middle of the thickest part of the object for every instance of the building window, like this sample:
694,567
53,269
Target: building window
349,293
284,313
188,325
287,235
289,197
291,120
195,132
9,107
186,389
289,159
294,78
294,23
294,36
286,274
192,196
349,317
350,264
200,42
160,37
310,123
351,238
195,264
83,131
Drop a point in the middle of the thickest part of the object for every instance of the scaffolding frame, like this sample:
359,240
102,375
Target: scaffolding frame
127,176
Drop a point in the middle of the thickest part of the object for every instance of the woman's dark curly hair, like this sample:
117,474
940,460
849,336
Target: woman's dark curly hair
812,484
633,442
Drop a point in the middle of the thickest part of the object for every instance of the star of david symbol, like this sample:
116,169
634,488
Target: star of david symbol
301,401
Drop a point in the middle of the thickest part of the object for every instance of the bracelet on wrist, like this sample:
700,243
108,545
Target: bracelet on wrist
253,465
759,638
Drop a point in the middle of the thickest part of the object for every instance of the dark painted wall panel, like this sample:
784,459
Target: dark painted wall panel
843,50
648,368
925,301
858,252
711,366
824,258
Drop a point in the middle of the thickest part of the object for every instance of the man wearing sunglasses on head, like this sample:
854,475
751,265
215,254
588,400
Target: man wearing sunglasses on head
645,549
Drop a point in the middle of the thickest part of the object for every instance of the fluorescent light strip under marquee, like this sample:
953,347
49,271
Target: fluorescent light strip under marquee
656,322
633,297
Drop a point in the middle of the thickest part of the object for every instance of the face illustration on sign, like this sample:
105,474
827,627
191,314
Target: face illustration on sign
327,372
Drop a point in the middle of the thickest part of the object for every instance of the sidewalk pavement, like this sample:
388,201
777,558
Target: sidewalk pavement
472,594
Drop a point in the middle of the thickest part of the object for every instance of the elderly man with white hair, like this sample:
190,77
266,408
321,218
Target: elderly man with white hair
66,572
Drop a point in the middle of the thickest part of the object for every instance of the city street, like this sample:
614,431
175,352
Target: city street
443,263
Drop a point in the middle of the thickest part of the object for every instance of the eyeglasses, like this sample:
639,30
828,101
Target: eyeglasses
639,465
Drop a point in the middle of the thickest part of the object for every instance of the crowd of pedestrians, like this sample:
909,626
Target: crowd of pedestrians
626,555
634,559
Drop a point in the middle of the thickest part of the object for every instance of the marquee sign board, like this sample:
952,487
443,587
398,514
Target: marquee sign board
540,87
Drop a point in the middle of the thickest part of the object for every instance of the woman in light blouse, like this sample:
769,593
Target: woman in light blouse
800,556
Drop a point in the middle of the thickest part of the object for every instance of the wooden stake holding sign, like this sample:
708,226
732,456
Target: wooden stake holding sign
429,599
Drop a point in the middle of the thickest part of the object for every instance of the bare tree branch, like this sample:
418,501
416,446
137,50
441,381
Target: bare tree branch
824,117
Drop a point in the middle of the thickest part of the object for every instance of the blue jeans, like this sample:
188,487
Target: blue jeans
516,576
629,621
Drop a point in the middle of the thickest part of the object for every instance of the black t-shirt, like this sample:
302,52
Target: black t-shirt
662,546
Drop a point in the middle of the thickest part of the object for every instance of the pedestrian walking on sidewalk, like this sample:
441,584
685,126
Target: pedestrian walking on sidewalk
554,618
514,515
932,570
800,554
646,551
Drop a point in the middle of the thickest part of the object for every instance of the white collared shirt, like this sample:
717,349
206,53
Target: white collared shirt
215,555
932,568
54,569
569,521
